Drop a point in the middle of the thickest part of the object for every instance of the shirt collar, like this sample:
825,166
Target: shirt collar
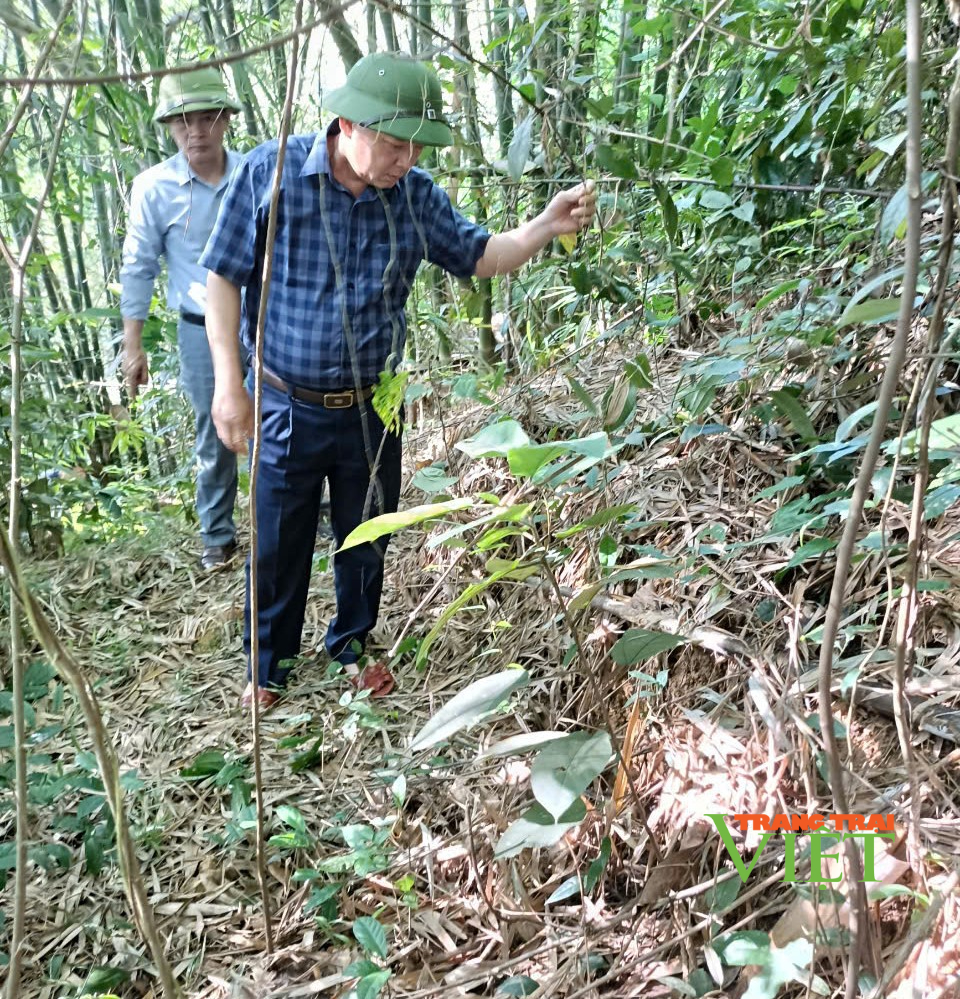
185,175
318,159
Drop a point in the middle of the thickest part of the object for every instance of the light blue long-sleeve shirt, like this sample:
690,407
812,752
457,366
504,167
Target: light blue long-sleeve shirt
172,212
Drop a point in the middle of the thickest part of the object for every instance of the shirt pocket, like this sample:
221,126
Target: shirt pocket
393,264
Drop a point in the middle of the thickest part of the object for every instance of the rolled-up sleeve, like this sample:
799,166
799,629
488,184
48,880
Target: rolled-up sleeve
142,249
231,248
453,241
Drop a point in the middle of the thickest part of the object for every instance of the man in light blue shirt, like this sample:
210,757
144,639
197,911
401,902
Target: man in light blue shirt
173,207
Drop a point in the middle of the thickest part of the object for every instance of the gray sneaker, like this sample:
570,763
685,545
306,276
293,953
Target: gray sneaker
215,556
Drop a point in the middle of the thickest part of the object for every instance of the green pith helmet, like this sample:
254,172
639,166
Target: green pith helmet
396,95
196,90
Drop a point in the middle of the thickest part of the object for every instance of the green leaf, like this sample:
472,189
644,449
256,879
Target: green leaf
566,768
715,200
371,936
537,828
671,219
871,313
204,764
723,169
101,980
639,372
597,866
775,293
433,479
744,947
519,150
291,818
786,403
722,895
496,440
387,523
517,985
810,550
617,161
469,706
893,222
638,645
358,969
370,986
778,487
568,889
583,395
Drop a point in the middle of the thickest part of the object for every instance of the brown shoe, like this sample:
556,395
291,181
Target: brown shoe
265,698
376,678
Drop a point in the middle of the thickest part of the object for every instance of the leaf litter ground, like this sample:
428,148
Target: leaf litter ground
729,727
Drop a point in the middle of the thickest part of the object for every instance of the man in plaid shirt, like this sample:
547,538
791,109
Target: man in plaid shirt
355,219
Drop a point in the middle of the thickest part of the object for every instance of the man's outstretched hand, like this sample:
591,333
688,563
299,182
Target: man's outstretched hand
573,209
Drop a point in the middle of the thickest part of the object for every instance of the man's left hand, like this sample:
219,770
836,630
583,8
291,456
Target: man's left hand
573,210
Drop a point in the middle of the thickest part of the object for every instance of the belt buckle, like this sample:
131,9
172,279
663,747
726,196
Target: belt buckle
337,400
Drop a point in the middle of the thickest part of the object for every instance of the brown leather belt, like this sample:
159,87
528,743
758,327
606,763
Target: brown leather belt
329,400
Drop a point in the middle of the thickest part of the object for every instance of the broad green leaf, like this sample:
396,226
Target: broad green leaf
566,768
538,828
744,947
638,645
387,523
497,439
722,169
786,403
723,894
937,501
671,218
871,312
204,764
433,479
522,743
370,986
357,969
519,150
944,438
101,980
527,461
469,706
518,986
715,200
599,519
889,144
893,222
617,161
371,936
291,818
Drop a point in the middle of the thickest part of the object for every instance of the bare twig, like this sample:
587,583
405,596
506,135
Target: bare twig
106,757
254,473
907,615
859,926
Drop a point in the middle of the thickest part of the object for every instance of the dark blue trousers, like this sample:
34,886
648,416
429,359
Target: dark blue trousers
303,445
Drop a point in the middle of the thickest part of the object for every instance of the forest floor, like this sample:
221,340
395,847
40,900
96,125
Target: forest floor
726,723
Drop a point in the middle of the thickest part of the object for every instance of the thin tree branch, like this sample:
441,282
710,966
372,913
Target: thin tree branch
103,750
255,469
859,925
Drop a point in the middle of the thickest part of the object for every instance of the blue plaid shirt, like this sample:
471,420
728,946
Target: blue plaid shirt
342,266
